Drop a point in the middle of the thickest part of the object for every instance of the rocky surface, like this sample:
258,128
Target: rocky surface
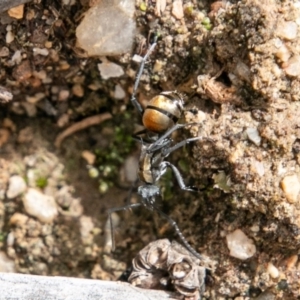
238,65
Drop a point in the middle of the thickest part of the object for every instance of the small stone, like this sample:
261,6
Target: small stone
177,9
63,95
88,156
18,219
291,262
23,71
107,28
292,66
240,245
9,37
16,186
119,93
42,207
6,265
272,270
4,52
4,136
291,187
109,69
40,51
253,136
78,90
5,95
16,12
287,30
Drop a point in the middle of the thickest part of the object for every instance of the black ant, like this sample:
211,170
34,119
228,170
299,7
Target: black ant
159,119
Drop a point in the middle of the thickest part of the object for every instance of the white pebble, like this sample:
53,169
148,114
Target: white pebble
16,186
287,30
240,245
253,136
177,9
9,37
283,53
40,51
119,93
6,265
272,270
107,28
40,206
291,187
109,69
17,57
292,67
258,167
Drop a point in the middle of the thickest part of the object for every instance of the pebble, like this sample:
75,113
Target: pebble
6,265
292,66
291,261
272,270
18,219
253,135
40,51
291,187
78,90
89,157
16,186
130,167
240,245
16,12
119,93
40,206
177,9
107,28
4,136
287,30
109,69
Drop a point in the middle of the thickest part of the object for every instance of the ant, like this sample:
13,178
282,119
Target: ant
159,119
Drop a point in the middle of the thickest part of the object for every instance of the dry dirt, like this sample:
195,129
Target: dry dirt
237,63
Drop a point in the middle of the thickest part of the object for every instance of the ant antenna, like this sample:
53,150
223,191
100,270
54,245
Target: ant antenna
136,104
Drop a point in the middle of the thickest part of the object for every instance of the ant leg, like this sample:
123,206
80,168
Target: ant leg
179,178
133,185
167,151
134,101
110,211
157,144
180,234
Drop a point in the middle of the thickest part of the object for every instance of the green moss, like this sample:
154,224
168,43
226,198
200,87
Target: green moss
143,6
41,182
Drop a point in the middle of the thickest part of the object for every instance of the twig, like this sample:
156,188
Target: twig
90,121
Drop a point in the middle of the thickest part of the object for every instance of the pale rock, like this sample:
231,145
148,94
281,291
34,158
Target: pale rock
40,206
287,30
177,9
253,135
240,245
119,93
272,270
16,186
6,265
108,69
107,28
292,66
291,187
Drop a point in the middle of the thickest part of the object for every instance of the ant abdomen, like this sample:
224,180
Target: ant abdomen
163,112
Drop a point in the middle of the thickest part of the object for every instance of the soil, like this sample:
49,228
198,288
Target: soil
237,63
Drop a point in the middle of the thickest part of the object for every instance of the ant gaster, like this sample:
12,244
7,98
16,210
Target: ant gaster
159,119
